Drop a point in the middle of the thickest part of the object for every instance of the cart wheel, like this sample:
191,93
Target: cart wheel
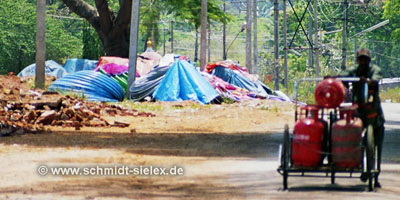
285,157
370,157
332,177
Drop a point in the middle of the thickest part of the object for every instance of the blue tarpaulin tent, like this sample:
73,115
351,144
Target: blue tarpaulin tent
182,82
75,65
52,69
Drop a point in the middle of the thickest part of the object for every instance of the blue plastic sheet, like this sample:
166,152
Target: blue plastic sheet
52,68
235,78
182,82
94,86
74,65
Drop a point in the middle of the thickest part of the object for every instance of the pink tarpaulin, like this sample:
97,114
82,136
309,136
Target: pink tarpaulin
116,64
113,69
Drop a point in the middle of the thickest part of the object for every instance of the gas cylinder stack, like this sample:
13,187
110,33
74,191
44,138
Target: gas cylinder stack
339,140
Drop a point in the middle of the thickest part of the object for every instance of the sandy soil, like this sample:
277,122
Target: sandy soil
182,134
256,116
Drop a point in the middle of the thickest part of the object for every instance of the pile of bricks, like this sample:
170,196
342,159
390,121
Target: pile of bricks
30,111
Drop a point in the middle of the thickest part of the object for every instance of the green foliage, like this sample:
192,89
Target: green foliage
190,11
392,94
149,22
392,12
155,12
17,36
92,47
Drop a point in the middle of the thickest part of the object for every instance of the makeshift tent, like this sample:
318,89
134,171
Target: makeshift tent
147,84
93,85
226,63
143,66
236,78
75,65
108,59
227,90
152,56
51,69
113,69
183,82
121,78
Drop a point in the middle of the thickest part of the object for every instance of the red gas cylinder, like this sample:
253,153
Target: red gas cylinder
307,139
330,93
346,139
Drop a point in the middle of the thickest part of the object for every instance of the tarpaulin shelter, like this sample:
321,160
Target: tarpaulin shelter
93,85
183,82
147,84
226,63
52,68
109,59
75,65
152,56
113,69
227,90
143,65
236,78
239,76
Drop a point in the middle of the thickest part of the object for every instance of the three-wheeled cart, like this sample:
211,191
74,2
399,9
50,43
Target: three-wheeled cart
327,168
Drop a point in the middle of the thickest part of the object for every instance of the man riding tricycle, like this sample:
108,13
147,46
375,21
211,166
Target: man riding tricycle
333,138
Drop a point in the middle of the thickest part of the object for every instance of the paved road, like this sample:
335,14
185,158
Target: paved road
256,178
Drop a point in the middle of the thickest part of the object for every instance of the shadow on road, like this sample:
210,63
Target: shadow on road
330,187
214,145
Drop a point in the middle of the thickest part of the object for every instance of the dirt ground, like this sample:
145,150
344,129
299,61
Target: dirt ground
182,134
256,116
227,151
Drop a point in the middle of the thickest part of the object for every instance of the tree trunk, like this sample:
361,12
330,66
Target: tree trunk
113,30
116,45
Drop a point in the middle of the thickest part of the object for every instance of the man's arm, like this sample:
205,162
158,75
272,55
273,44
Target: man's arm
376,75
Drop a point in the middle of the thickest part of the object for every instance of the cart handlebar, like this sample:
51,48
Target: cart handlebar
347,79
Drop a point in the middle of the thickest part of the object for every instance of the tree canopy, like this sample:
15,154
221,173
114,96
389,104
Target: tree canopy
17,36
112,26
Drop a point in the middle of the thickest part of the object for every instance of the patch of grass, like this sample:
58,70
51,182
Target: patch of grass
274,109
141,106
79,95
227,100
391,93
75,94
31,82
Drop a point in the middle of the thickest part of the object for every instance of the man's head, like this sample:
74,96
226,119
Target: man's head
363,57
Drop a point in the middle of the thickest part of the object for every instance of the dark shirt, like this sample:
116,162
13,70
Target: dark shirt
369,110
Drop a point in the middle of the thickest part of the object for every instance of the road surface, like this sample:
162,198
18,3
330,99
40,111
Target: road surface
217,166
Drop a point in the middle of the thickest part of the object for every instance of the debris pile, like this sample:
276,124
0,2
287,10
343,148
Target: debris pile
29,111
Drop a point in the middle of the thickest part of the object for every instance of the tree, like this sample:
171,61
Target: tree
113,30
17,36
392,12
